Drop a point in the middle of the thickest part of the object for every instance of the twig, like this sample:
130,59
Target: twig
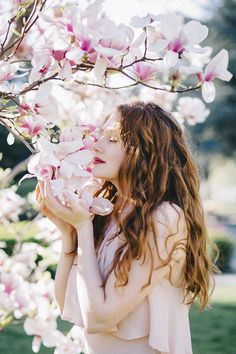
105,86
18,137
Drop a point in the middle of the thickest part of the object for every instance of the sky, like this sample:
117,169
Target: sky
123,10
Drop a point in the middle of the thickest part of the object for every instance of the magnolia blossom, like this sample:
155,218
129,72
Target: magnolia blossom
11,205
33,300
191,110
174,38
43,65
43,107
216,68
32,125
144,71
7,70
114,43
66,165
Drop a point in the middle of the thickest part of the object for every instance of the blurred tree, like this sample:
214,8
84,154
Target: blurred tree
218,134
12,154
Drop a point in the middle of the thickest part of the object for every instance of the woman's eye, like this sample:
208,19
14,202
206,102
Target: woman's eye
113,140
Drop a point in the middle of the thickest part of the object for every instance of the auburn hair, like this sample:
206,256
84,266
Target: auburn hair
159,167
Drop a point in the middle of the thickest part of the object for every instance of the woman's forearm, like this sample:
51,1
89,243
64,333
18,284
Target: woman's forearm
89,279
69,243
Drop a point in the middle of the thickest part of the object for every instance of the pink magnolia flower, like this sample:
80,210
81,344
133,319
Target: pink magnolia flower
42,105
33,125
43,65
216,68
142,22
191,110
68,165
11,281
11,205
144,71
7,70
114,42
175,38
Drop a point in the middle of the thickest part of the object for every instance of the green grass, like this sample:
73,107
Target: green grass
213,331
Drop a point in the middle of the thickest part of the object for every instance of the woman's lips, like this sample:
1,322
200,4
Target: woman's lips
97,161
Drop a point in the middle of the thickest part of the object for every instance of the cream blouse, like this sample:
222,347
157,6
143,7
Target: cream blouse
162,317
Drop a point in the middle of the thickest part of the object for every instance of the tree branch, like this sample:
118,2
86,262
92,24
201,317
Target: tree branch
18,137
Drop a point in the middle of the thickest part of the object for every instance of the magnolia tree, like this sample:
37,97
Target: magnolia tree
60,62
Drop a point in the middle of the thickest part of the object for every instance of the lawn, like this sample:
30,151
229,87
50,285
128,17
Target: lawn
213,331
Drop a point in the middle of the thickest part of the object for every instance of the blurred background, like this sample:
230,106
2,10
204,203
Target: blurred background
214,143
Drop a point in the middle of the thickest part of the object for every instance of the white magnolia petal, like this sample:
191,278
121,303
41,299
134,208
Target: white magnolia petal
57,186
158,46
75,54
10,139
49,159
99,68
101,206
34,163
82,157
170,59
106,51
195,49
169,25
44,145
208,91
218,64
138,21
80,172
139,40
86,198
66,169
195,32
225,76
65,72
67,147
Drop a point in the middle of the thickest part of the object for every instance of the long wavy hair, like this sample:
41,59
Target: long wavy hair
159,167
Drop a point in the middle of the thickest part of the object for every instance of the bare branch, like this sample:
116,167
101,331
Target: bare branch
105,86
22,28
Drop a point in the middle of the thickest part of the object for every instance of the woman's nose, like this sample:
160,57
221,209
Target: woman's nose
97,146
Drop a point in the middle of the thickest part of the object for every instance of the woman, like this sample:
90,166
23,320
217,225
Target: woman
128,278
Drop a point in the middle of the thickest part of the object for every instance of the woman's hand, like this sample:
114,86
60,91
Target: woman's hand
72,213
63,226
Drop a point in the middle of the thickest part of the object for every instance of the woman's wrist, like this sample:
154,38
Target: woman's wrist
69,243
83,225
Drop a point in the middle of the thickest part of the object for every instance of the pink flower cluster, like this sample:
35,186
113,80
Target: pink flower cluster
68,165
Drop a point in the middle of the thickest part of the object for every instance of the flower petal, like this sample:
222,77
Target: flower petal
218,66
99,68
170,59
195,32
81,157
208,91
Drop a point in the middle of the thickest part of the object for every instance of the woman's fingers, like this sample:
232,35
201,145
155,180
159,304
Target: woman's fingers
52,202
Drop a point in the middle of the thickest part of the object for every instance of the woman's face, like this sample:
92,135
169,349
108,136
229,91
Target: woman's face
110,149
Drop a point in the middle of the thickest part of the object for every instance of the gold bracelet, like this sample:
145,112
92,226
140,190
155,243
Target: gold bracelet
68,254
